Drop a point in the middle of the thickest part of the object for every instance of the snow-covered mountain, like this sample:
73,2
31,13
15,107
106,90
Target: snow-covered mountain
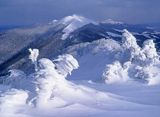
110,21
59,34
76,67
72,23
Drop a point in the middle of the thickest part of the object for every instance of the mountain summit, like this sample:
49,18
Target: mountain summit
72,23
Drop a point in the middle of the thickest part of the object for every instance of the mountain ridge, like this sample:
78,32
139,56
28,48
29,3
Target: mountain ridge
49,37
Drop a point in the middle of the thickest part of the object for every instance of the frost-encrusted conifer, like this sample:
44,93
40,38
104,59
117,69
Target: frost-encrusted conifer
50,76
34,53
115,73
129,43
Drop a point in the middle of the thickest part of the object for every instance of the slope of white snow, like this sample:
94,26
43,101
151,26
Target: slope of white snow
83,99
12,101
93,57
110,79
72,23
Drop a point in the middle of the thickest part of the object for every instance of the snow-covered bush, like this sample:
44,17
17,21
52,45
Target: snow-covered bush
147,74
115,72
150,52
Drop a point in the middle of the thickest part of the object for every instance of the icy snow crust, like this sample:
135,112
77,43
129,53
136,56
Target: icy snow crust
110,79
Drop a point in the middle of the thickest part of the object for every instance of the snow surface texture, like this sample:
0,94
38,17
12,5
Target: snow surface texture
127,70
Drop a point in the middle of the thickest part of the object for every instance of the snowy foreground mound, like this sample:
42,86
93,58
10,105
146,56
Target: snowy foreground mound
110,79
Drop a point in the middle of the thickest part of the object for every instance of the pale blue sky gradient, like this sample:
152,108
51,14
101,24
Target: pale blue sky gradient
24,12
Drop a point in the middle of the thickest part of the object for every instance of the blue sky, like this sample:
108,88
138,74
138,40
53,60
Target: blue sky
24,12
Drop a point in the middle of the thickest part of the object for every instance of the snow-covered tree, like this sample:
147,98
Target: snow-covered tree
129,43
65,64
50,76
34,53
45,81
150,52
115,72
142,63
